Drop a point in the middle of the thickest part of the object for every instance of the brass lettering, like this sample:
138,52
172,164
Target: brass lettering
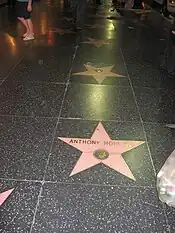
95,142
110,143
82,141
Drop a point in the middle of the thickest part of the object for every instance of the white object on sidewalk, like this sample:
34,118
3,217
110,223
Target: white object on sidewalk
172,126
29,37
166,181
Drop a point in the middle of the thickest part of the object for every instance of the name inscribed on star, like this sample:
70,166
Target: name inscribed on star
94,142
84,141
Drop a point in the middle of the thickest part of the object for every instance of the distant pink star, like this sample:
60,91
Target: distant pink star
100,149
5,195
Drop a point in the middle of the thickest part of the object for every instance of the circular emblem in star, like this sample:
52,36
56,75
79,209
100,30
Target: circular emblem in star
101,154
99,70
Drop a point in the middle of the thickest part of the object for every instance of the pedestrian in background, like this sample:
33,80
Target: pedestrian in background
78,8
24,9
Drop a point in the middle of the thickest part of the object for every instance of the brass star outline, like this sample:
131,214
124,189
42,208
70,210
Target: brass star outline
95,42
99,73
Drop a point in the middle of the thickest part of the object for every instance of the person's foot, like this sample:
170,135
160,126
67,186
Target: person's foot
26,34
29,37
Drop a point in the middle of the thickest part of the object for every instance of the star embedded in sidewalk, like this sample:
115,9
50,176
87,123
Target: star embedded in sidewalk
99,73
97,43
62,32
100,149
5,195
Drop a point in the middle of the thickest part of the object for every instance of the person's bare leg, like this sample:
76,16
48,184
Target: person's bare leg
23,21
30,26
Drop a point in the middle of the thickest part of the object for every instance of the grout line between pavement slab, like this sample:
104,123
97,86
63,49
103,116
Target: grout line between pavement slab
141,120
77,183
83,119
54,133
12,69
165,215
103,185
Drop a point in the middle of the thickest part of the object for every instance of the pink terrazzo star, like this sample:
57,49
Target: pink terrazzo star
5,195
100,149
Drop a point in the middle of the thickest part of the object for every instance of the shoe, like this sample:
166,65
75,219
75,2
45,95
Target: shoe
29,37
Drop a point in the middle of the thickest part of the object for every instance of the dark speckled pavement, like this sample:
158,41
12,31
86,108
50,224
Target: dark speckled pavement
83,122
